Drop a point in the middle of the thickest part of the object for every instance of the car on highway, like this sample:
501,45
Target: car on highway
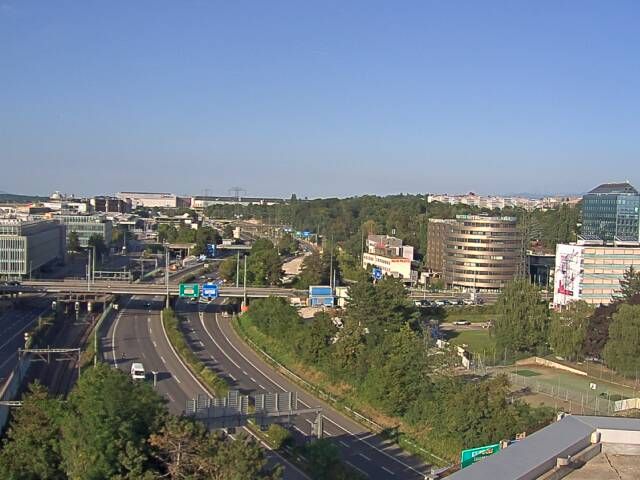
137,371
462,322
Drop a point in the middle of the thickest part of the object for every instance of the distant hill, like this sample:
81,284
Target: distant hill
13,198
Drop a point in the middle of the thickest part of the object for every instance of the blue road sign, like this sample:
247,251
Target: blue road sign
377,273
211,250
210,290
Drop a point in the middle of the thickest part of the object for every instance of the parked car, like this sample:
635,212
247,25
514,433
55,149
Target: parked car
462,322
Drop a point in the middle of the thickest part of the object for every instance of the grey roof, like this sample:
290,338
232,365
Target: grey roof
612,188
536,454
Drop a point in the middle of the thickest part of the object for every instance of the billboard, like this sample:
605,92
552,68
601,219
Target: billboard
567,274
320,291
472,455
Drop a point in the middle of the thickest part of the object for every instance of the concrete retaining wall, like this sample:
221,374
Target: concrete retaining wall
12,387
551,364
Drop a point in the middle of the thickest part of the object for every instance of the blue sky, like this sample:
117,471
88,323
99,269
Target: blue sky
318,98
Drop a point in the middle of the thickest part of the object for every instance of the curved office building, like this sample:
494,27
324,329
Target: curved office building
483,253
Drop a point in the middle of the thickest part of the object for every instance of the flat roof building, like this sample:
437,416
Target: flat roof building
563,448
85,226
154,199
611,212
26,246
482,253
591,272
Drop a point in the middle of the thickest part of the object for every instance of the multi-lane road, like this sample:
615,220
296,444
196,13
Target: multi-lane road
136,334
211,334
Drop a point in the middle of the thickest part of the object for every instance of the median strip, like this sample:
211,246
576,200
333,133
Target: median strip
179,342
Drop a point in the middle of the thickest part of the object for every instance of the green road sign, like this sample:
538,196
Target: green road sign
472,455
189,290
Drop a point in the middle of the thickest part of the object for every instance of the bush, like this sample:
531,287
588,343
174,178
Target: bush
213,381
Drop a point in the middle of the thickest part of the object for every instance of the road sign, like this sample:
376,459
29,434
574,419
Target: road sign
377,273
211,250
473,455
189,290
210,290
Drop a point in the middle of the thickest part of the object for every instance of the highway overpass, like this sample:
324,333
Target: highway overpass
147,289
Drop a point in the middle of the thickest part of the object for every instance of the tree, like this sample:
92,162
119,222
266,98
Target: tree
264,266
287,245
622,351
74,242
313,272
106,425
323,458
522,320
31,449
568,329
228,269
316,338
96,241
630,284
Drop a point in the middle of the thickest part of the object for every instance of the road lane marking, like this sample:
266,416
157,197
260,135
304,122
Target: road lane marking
177,379
163,360
299,430
358,469
243,371
365,457
261,387
201,315
252,379
212,358
343,443
155,344
388,471
170,397
388,455
233,378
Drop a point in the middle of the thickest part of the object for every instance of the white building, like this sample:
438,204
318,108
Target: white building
591,272
398,267
150,199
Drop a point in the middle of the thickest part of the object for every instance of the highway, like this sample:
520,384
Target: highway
13,323
360,448
136,335
127,288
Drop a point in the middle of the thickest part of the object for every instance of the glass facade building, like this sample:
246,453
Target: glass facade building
87,225
611,212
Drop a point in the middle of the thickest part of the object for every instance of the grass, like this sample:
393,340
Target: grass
171,323
477,341
527,373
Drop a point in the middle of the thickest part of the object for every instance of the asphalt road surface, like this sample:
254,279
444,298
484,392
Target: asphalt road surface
211,335
135,334
13,324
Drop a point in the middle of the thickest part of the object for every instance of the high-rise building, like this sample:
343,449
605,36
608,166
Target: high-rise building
26,246
437,233
482,253
611,213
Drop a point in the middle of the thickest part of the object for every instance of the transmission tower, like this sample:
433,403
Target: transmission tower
237,194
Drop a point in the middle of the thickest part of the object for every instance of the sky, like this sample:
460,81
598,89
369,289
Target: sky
320,98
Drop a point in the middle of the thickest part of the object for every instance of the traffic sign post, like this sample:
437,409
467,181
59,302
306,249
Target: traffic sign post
376,273
189,290
210,290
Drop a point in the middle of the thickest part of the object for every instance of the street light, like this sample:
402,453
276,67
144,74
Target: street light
155,378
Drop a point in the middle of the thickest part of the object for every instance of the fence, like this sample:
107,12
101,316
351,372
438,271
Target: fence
578,402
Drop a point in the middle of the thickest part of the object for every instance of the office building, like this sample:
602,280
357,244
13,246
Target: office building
437,233
26,246
482,253
110,205
591,272
85,226
611,213
541,267
154,200
390,256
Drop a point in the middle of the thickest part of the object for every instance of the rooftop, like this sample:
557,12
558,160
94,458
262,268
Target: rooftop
615,188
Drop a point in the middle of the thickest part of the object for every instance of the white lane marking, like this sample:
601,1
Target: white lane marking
343,443
300,401
365,457
358,469
309,421
252,379
177,379
163,360
19,332
170,397
201,315
243,371
233,378
388,471
213,358
299,430
149,321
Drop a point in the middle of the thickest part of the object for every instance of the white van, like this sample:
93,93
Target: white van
137,371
